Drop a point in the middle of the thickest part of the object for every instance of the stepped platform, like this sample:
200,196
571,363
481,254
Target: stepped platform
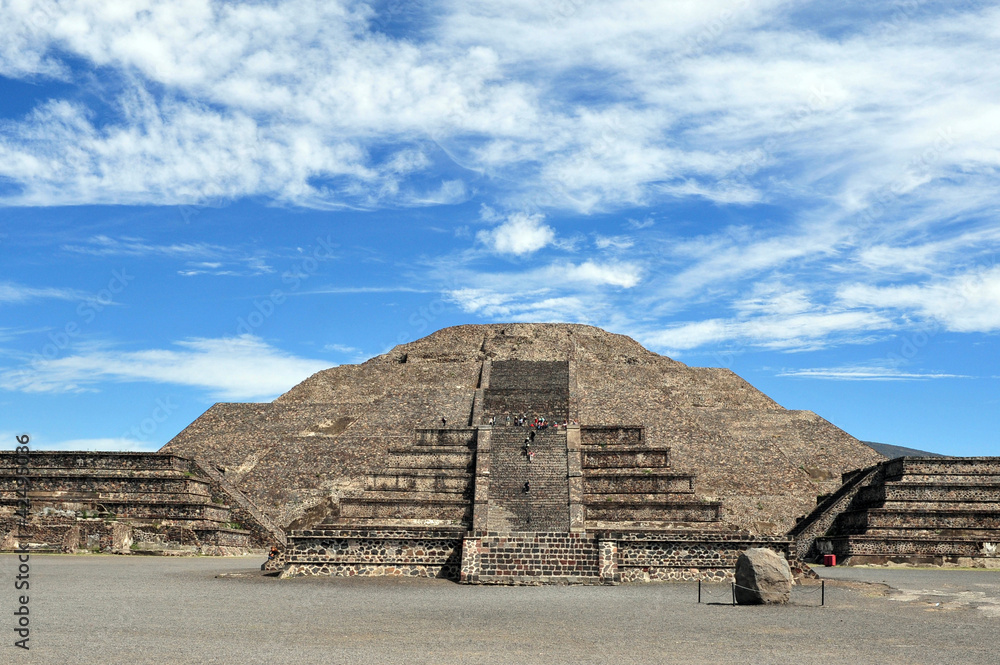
505,502
932,510
629,483
114,501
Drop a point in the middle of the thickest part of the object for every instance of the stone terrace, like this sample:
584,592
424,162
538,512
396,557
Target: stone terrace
508,503
910,510
299,456
109,501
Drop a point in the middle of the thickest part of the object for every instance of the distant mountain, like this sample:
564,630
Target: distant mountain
898,451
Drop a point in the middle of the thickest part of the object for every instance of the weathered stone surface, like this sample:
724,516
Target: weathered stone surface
916,510
106,501
762,577
298,456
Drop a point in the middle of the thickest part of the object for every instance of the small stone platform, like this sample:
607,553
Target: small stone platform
124,503
917,510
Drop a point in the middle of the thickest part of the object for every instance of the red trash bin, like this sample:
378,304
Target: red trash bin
829,559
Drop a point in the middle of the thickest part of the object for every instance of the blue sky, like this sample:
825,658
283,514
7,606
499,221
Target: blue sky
206,202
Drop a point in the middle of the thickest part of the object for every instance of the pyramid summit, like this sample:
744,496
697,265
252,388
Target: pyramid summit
303,455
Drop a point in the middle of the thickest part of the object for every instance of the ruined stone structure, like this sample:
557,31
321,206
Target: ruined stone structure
298,458
507,501
124,502
415,463
918,510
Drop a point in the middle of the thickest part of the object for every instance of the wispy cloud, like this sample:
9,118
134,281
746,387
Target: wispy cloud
102,245
731,102
874,373
349,290
966,302
200,258
11,293
233,368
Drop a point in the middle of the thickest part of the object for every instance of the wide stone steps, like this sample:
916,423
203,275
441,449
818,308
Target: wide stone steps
86,462
946,479
56,483
168,510
96,498
886,520
542,505
661,511
637,481
457,436
920,492
977,466
450,508
919,510
625,457
379,523
457,481
432,457
38,471
604,435
651,526
527,375
876,549
533,389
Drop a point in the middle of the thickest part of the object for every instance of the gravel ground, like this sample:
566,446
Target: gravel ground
103,609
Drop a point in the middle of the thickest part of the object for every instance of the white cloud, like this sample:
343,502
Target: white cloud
968,302
521,234
11,292
614,242
233,368
789,332
623,274
297,101
105,444
873,373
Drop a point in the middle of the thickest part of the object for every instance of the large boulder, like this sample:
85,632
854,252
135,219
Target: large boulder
762,578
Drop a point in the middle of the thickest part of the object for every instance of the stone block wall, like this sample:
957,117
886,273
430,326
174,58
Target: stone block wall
375,552
531,557
663,557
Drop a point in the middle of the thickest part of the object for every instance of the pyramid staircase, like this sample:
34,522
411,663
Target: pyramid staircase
122,502
505,502
916,510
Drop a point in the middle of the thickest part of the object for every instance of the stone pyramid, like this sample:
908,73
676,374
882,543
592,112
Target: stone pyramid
326,442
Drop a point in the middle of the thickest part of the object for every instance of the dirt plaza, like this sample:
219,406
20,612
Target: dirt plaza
112,609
